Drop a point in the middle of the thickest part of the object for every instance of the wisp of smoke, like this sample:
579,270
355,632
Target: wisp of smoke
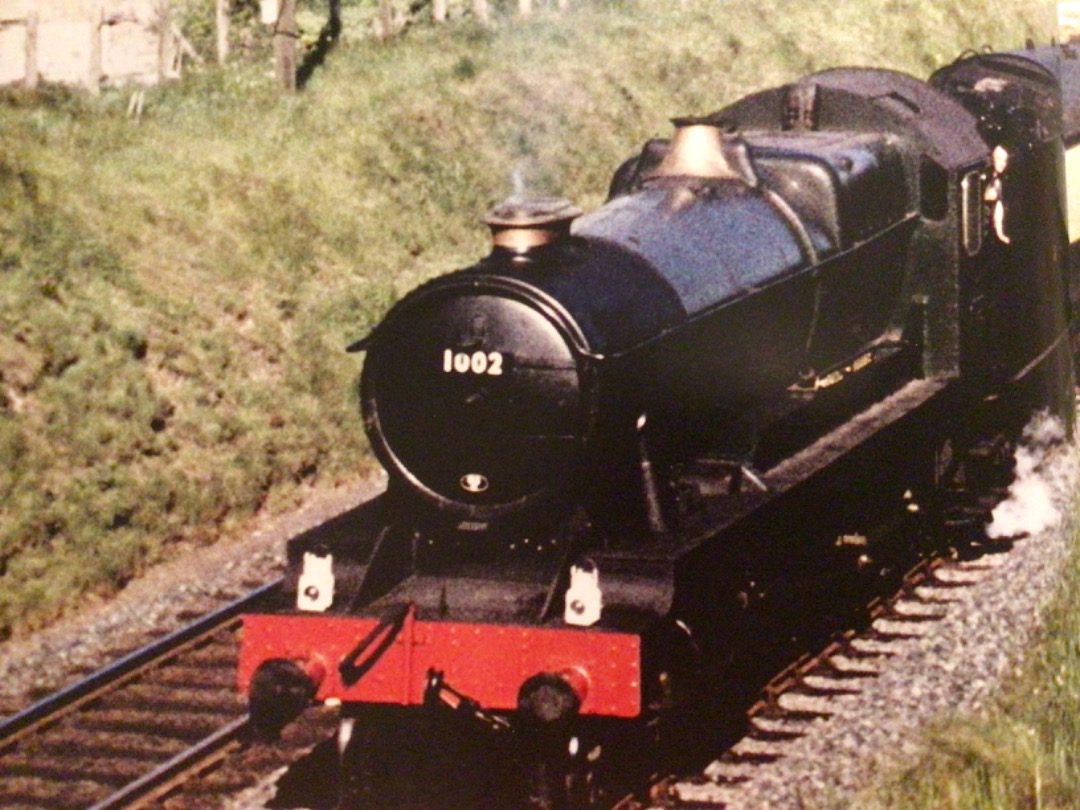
1045,477
528,182
518,184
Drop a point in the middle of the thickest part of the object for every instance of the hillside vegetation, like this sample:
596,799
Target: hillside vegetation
176,291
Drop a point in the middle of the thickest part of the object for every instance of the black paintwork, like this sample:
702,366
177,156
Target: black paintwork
714,377
699,318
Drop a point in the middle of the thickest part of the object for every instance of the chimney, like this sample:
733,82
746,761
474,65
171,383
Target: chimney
520,224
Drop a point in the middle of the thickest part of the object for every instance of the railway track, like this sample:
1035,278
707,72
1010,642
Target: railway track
812,690
938,645
132,731
137,730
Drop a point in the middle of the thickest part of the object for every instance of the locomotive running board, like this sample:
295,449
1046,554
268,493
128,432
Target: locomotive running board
789,474
832,446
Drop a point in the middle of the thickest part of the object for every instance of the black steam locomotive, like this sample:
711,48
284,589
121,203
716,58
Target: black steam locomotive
819,303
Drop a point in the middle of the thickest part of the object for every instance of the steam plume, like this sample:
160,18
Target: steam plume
1045,478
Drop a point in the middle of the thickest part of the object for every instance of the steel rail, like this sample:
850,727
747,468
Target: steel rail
175,771
19,725
665,792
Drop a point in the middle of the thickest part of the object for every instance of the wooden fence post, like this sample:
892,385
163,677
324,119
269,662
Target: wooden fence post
285,34
480,10
97,26
438,10
164,33
221,25
386,19
31,79
525,7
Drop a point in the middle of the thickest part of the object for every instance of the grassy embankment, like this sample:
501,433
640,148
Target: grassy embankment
176,292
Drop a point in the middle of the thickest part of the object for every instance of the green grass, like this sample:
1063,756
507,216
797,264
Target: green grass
176,292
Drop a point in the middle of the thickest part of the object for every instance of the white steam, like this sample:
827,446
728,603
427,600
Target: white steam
1045,480
518,182
528,181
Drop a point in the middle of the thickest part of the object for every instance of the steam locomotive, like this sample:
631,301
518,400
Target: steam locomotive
824,302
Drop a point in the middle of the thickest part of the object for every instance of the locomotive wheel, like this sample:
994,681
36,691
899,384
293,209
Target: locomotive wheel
564,774
365,768
410,759
974,480
391,761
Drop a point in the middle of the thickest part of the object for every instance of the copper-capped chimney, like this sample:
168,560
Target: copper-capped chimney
706,149
520,224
